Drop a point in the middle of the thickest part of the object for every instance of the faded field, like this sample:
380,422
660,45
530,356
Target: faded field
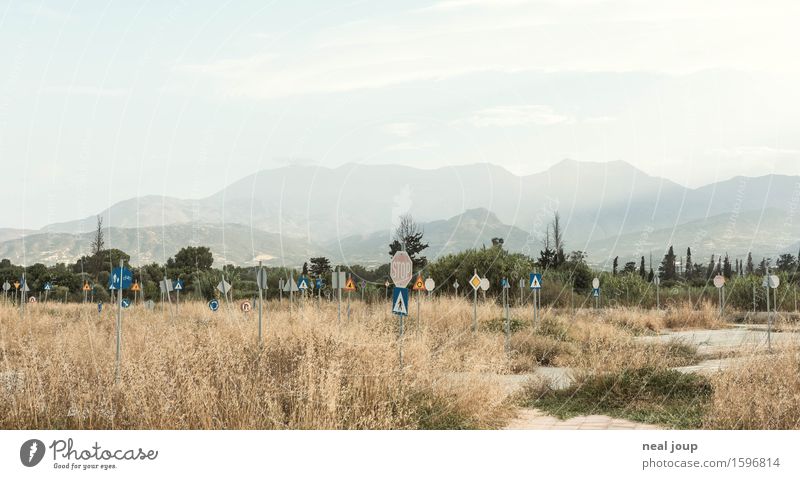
204,370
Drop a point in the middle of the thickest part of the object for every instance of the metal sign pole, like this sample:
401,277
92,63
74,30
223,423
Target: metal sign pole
474,308
508,321
260,301
119,321
769,319
339,296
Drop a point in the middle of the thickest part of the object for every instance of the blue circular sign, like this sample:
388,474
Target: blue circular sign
213,305
126,302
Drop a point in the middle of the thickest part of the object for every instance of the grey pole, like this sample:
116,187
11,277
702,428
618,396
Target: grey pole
754,298
260,302
339,295
119,322
658,295
769,318
474,308
508,321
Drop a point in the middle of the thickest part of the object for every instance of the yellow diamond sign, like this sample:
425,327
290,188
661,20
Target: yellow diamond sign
475,281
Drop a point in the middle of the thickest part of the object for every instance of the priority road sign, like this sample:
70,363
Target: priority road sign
224,287
536,281
400,301
213,305
475,281
363,284
401,269
419,284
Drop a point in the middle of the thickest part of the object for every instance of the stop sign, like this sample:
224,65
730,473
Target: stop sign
401,269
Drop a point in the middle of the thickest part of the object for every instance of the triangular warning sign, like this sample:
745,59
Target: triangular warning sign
535,283
419,285
350,285
400,305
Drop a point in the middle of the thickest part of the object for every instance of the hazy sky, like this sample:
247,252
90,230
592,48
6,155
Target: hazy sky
101,101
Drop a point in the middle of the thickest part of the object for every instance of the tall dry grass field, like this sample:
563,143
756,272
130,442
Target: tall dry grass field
204,370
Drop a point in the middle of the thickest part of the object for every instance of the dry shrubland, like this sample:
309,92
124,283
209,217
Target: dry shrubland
204,370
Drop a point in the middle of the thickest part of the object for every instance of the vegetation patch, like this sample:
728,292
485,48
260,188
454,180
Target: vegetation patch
649,395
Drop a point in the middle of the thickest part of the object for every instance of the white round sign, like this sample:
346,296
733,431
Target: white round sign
595,283
401,269
774,281
430,284
656,280
246,307
485,284
719,281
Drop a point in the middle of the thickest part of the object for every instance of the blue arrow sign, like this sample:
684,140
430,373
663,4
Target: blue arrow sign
213,305
400,301
319,283
121,278
126,302
536,281
178,285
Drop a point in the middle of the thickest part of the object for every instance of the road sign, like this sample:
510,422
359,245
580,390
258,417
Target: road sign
125,302
246,307
32,299
719,281
363,284
121,278
6,286
213,305
48,286
774,281
319,284
135,287
261,278
401,269
596,292
224,287
455,284
16,284
419,284
350,285
485,284
475,281
430,284
99,306
400,301
150,305
165,285
86,286
178,285
290,285
302,283
338,279
656,280
536,281
596,283
503,282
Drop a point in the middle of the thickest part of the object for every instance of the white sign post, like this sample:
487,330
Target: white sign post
772,281
719,283
657,282
596,287
475,282
261,280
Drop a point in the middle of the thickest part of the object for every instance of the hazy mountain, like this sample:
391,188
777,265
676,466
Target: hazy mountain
348,213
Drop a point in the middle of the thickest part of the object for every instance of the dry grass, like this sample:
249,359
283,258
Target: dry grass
760,392
204,370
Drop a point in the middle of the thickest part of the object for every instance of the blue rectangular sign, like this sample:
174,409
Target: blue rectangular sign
121,278
536,281
400,301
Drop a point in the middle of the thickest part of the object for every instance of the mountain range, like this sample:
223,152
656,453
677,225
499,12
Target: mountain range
286,215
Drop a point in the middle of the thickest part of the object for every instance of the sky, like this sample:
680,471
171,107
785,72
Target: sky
101,101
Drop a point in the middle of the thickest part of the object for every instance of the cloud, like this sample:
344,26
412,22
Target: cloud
515,115
412,145
78,90
400,129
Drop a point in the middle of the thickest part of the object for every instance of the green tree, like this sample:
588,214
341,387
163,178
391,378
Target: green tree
667,268
408,235
194,258
320,267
